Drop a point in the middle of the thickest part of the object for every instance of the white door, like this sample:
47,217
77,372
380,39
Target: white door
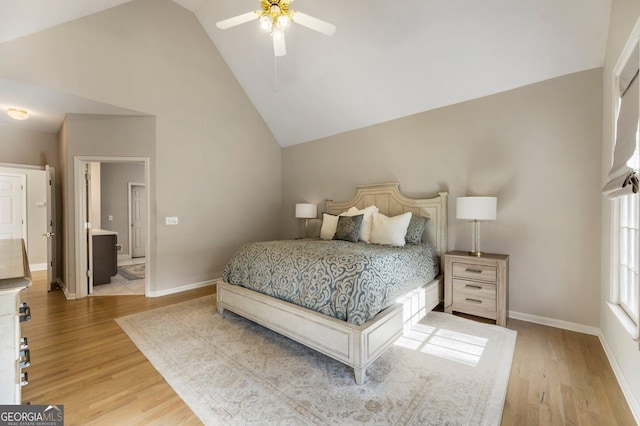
138,214
52,249
13,207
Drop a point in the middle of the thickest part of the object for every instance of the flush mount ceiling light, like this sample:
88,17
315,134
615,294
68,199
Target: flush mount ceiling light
275,18
18,114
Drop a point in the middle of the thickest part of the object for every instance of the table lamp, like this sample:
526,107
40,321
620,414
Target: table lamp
306,211
476,209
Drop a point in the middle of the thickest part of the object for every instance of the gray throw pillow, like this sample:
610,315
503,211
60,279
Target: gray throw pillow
348,228
416,228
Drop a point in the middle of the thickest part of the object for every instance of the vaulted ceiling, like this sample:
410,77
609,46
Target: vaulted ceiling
386,60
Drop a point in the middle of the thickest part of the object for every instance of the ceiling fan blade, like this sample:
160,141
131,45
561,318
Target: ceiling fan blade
279,47
314,23
237,20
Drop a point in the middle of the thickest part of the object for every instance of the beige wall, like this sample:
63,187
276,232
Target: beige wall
536,148
96,188
28,147
217,165
624,14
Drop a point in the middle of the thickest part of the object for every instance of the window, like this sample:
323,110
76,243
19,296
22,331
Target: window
622,187
628,294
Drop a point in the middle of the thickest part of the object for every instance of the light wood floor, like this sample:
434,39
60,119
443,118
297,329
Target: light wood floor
83,360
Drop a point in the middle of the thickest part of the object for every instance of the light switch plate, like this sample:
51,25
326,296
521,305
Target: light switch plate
171,220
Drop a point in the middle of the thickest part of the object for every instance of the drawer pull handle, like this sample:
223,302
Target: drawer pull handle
25,358
475,271
475,287
24,312
473,300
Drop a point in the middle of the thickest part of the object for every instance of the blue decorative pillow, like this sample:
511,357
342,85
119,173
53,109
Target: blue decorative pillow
348,228
416,228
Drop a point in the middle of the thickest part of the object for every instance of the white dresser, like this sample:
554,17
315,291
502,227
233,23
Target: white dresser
14,353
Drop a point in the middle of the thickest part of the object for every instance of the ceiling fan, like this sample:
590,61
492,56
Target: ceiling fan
275,18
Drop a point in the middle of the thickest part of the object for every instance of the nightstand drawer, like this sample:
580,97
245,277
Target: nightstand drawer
471,271
474,289
474,298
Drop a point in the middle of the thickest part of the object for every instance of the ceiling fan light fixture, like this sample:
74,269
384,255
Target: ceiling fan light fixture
283,22
275,18
266,23
18,113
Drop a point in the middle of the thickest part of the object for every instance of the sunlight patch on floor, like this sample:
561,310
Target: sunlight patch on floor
452,345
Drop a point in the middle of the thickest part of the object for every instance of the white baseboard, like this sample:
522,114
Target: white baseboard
551,322
122,257
182,288
38,266
622,381
67,295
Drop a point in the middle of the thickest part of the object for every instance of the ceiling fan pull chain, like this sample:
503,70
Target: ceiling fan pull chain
275,73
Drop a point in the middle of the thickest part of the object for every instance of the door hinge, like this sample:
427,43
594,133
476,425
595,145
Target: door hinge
88,273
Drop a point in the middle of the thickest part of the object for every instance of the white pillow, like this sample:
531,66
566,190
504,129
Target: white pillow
367,221
329,225
390,230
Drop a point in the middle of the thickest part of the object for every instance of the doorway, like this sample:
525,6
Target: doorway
28,203
106,262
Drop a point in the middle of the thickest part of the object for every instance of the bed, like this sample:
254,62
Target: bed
354,334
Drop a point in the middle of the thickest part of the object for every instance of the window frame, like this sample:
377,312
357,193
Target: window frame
629,323
619,265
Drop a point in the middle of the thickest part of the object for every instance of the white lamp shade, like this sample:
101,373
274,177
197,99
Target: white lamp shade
306,211
476,208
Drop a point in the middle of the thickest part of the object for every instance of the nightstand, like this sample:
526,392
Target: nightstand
477,285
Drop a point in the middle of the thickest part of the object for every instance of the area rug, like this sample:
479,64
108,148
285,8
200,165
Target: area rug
445,370
132,272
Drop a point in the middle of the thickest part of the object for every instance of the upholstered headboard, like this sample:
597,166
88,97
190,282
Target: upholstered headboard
391,202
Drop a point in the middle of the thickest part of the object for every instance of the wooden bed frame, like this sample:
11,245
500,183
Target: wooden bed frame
355,346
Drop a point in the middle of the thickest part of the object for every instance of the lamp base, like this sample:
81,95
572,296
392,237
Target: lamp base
476,253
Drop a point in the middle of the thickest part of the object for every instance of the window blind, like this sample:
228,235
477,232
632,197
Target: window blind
622,179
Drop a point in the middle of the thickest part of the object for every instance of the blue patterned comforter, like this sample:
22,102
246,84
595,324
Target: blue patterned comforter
347,281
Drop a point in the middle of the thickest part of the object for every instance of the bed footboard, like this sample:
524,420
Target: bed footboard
355,346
